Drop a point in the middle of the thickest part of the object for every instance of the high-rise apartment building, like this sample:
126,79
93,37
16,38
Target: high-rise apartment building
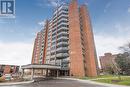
39,50
67,40
107,61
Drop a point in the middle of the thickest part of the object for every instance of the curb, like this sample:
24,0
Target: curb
93,82
16,83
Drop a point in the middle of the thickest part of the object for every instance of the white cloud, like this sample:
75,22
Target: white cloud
16,53
122,29
107,7
105,44
51,3
86,3
118,26
129,9
42,23
109,44
54,3
118,36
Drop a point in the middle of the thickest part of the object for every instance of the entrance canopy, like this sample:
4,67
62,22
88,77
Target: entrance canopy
43,70
40,66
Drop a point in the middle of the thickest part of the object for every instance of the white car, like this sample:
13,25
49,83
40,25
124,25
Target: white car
7,76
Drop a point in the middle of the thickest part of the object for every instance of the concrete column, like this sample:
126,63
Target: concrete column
22,74
57,72
46,72
42,72
65,73
32,73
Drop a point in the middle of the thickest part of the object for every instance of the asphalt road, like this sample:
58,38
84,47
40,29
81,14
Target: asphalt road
57,83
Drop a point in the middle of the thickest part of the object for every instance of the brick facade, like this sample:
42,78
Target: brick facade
107,60
82,49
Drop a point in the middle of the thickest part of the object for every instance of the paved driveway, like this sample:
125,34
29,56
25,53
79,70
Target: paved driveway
57,83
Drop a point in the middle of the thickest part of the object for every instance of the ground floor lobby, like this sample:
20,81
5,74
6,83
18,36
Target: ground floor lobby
43,71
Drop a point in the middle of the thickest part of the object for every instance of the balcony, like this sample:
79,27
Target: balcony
66,60
52,56
52,51
62,24
64,43
62,55
62,48
62,38
60,14
62,28
62,33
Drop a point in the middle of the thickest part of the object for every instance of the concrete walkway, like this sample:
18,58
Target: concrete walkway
96,83
61,82
57,83
15,83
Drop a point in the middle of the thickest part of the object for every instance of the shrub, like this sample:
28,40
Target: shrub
2,79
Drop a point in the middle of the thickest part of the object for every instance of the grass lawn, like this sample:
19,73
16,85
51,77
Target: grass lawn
102,76
125,80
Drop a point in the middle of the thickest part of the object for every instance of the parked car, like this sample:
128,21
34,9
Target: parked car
7,77
0,74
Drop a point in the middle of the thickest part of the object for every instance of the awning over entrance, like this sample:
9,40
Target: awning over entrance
43,70
39,66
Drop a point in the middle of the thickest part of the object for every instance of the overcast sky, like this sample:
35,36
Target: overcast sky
110,21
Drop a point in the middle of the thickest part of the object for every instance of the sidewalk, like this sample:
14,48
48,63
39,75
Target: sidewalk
15,83
96,83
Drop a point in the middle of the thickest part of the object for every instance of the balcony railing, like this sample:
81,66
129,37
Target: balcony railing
62,48
65,43
63,37
62,55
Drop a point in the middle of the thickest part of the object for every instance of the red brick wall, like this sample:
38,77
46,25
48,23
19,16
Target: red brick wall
90,56
80,65
45,43
36,50
76,57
